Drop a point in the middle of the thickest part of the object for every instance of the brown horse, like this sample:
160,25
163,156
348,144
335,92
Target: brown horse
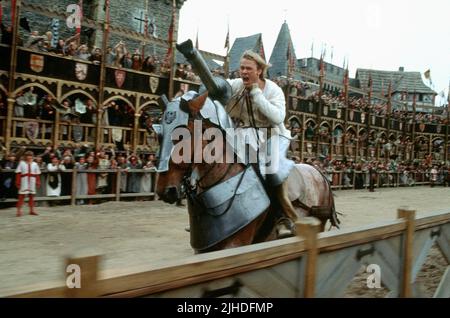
309,190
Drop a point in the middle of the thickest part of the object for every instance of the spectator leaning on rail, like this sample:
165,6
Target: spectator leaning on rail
259,103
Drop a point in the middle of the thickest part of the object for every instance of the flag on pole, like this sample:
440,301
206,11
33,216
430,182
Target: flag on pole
13,11
346,84
108,11
146,25
171,30
448,101
427,75
226,64
389,105
312,49
332,53
196,41
227,40
80,16
322,66
290,59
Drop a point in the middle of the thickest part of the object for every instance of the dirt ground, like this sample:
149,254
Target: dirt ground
33,248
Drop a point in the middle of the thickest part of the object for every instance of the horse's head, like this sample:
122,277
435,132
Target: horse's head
181,139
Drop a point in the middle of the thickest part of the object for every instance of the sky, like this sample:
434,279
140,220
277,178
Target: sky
377,34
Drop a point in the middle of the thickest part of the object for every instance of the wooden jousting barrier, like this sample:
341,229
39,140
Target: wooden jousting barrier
310,265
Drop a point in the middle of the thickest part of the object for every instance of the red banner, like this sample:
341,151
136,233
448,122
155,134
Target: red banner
171,30
13,11
78,28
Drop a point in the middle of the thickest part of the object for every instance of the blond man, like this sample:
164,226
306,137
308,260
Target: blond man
257,103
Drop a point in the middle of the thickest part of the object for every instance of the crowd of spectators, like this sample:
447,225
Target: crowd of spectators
119,55
356,175
136,172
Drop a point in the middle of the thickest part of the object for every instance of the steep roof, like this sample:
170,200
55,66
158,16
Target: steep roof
401,81
240,45
282,49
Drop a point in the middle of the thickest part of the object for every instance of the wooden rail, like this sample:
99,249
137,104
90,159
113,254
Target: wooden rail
307,266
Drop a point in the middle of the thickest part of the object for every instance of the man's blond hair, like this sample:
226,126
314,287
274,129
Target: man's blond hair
260,63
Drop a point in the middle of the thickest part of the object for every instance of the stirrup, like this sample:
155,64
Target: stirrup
285,228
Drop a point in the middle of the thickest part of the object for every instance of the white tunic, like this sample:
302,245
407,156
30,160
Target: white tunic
269,112
54,192
269,106
30,172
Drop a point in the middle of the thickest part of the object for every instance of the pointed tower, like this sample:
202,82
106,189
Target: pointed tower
283,57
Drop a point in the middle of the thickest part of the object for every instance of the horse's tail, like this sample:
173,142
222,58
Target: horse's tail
333,213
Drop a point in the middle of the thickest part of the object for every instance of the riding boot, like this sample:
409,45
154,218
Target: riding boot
285,226
19,205
31,205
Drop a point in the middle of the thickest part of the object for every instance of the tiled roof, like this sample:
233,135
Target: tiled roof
240,45
401,81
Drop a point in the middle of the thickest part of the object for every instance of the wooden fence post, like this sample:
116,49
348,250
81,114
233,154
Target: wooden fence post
156,177
118,177
73,194
308,228
86,270
407,251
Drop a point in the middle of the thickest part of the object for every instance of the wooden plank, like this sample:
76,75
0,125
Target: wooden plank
89,275
137,195
423,242
407,251
433,219
328,262
73,187
443,242
443,290
268,284
299,280
202,268
388,251
335,240
57,292
289,272
118,177
336,278
389,274
309,228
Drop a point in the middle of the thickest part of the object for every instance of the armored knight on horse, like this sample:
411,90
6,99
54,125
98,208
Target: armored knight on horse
243,201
